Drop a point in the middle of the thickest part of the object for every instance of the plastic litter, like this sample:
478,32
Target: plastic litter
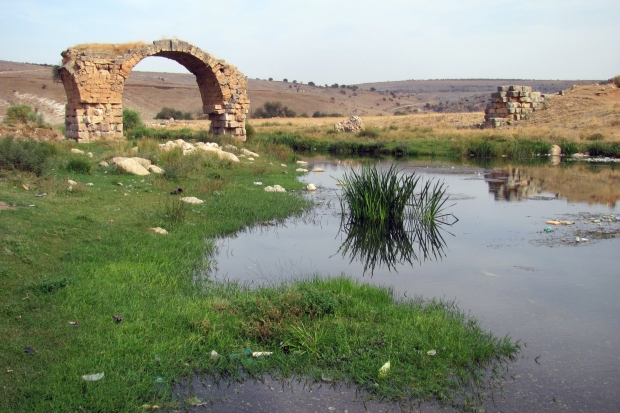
384,370
548,229
431,352
195,401
118,318
577,239
41,195
93,377
262,353
214,355
258,183
29,350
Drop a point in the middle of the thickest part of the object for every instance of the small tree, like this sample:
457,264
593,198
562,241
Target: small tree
372,89
311,84
270,79
131,120
285,80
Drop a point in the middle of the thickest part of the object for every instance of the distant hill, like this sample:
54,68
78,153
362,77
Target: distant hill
148,92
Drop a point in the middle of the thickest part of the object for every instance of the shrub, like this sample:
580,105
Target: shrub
18,114
79,165
596,137
167,113
249,130
56,73
24,155
616,81
131,120
368,133
274,109
319,114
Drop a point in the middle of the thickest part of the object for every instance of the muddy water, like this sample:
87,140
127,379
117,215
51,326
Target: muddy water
557,296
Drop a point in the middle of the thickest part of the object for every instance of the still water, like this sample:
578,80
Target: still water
559,297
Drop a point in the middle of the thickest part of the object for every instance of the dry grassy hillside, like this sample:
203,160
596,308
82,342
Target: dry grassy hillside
582,111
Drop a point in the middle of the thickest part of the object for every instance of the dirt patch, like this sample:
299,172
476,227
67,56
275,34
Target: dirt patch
587,229
5,207
40,134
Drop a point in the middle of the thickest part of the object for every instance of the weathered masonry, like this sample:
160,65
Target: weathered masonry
512,103
94,81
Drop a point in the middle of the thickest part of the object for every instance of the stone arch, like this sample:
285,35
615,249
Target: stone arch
94,80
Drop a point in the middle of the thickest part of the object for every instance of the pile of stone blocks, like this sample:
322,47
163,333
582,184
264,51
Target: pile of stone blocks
511,103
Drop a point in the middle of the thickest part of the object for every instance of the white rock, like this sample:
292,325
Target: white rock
75,150
88,184
131,166
142,161
189,151
302,162
555,150
262,353
71,182
318,170
103,164
159,230
192,200
250,153
155,169
206,148
311,187
89,154
301,170
231,147
282,164
228,156
250,159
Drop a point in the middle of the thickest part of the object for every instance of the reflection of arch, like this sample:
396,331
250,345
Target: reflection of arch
94,81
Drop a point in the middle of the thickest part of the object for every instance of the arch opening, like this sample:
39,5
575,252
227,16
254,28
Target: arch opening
94,81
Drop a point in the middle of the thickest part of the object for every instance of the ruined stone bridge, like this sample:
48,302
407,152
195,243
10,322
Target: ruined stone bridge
94,81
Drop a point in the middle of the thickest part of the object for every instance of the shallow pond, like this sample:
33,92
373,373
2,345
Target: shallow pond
558,296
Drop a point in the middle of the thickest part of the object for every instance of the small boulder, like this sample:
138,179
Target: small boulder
318,170
75,150
159,230
275,188
228,156
192,200
71,182
89,154
103,164
131,166
250,153
311,187
555,151
155,169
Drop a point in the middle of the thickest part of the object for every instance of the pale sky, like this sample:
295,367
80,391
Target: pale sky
338,41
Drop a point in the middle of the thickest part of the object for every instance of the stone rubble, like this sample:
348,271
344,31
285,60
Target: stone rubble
511,103
353,124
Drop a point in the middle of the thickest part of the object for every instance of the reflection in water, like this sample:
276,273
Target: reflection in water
394,242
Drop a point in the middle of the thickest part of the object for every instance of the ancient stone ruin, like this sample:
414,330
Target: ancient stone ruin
511,103
94,79
353,124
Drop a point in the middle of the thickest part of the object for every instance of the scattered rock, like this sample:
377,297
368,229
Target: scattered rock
302,163
275,188
318,170
89,154
227,156
119,183
311,187
88,184
132,165
249,153
70,182
25,188
155,169
103,164
159,230
283,164
353,124
301,170
75,150
192,200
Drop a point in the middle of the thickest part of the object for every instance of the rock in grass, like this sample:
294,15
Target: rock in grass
103,164
131,165
311,187
159,230
250,153
301,170
75,150
227,156
275,188
155,169
192,200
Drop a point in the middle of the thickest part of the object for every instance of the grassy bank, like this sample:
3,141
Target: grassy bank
81,254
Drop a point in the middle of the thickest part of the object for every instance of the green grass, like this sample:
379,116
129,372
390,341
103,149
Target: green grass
87,254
